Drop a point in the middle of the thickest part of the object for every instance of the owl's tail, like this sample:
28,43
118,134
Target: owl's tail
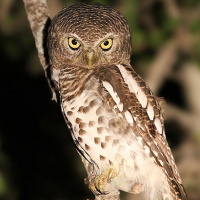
164,190
178,191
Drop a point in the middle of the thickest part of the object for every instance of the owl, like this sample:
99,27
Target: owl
115,121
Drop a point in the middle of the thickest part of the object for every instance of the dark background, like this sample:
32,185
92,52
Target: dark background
38,159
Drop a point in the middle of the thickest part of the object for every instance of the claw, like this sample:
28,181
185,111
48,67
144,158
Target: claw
98,184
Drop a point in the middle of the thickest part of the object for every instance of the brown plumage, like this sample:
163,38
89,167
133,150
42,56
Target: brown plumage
115,120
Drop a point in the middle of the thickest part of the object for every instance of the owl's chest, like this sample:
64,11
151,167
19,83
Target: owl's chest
98,132
88,117
91,123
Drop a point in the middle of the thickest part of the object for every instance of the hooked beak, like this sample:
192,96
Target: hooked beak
90,57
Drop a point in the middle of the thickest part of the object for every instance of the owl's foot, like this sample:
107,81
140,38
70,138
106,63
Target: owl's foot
98,184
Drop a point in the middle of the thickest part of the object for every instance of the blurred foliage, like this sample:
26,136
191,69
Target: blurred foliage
38,159
3,181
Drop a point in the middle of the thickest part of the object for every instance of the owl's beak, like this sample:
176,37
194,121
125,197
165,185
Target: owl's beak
90,57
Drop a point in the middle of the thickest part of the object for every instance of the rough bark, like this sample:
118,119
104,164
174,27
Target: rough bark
38,16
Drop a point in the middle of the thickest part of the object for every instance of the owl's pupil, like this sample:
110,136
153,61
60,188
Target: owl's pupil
106,43
74,42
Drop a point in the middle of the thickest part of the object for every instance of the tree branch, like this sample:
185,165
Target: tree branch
162,66
108,197
38,16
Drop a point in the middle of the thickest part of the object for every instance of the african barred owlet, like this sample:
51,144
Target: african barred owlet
115,121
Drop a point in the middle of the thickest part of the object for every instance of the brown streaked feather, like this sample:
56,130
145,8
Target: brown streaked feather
145,128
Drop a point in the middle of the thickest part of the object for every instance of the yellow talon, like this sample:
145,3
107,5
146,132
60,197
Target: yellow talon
98,184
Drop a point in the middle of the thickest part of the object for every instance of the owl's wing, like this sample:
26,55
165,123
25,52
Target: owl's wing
133,98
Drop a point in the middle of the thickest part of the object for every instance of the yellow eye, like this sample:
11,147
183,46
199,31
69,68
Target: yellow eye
73,43
107,44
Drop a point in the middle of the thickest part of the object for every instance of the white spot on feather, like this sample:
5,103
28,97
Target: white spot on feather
142,98
161,162
147,150
120,106
155,153
129,117
158,125
150,111
133,86
113,94
140,140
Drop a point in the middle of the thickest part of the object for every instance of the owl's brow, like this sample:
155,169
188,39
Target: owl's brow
109,35
75,36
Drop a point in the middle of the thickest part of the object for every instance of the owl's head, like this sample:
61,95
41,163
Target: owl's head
89,35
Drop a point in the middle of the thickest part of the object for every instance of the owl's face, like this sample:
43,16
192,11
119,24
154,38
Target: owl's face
89,35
